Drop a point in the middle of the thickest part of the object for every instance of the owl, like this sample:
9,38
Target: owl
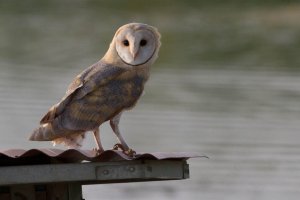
103,91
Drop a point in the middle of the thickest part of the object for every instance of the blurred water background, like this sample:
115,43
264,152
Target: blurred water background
226,85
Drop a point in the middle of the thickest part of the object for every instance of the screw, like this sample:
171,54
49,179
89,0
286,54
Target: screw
105,172
131,169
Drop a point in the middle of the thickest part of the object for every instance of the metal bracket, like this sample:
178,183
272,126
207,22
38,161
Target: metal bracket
150,169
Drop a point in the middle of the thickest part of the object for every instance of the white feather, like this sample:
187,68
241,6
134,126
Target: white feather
73,141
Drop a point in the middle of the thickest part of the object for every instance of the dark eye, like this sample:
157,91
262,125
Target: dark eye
126,43
143,42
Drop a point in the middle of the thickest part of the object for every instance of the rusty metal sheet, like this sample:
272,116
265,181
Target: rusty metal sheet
38,156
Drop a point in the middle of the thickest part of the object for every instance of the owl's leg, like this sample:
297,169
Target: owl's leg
114,123
97,140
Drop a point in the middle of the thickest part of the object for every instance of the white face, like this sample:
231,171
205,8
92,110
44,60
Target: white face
135,47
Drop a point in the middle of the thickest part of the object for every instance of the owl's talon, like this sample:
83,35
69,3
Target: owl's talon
97,151
118,146
129,152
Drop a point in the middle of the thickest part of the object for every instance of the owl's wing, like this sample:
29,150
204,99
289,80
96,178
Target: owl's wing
93,77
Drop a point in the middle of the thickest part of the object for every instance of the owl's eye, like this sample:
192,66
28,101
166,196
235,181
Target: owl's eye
126,43
143,42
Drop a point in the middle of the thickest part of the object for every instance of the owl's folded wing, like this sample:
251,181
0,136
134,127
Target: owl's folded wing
93,77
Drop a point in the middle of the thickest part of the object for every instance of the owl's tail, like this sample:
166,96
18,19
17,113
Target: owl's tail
72,140
43,133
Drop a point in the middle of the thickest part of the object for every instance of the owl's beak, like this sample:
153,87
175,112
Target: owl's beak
134,52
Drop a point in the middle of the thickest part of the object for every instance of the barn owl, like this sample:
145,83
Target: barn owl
104,90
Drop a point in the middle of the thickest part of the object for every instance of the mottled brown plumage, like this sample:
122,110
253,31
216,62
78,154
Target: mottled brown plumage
104,90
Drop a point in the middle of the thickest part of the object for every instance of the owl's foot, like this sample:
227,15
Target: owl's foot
98,151
128,152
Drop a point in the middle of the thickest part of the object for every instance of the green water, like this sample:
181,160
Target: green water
196,33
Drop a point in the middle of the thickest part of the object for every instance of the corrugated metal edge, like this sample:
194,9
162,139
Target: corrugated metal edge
78,155
171,155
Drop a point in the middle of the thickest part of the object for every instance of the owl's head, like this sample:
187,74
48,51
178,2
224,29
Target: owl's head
135,44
